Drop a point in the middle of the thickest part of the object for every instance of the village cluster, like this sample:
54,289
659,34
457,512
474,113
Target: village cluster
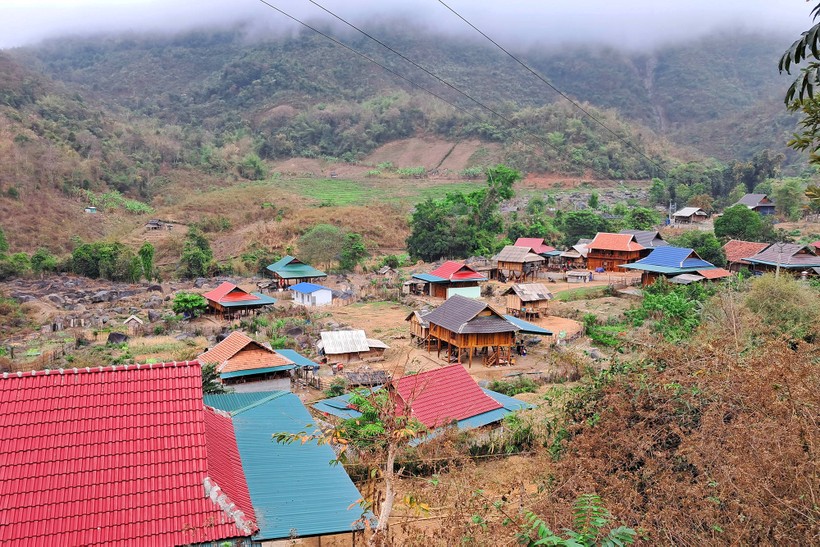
180,466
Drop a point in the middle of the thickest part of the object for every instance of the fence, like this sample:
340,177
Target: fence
46,359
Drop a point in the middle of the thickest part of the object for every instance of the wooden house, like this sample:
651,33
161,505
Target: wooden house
759,203
228,300
518,263
737,251
609,251
290,270
349,346
451,278
464,325
791,257
311,295
669,262
576,256
419,326
247,365
689,215
527,299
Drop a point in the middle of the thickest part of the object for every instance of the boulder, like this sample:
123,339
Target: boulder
55,299
116,338
101,296
155,287
154,315
200,282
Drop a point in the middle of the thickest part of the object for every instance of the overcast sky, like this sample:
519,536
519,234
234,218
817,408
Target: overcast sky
628,23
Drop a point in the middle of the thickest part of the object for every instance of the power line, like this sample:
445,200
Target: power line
551,86
419,86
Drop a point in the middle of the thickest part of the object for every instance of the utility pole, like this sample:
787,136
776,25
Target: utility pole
779,259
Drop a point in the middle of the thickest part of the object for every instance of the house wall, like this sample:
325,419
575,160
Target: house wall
610,260
439,290
316,298
469,292
515,304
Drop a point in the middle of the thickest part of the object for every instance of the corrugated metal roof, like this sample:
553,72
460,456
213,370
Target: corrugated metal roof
293,268
754,200
443,395
530,292
252,372
429,278
715,273
259,300
296,358
606,241
678,259
648,238
689,211
457,271
233,402
344,341
307,288
789,255
294,488
526,327
686,279
511,253
535,243
458,312
110,456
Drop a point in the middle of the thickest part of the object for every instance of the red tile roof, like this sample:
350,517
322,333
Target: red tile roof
535,243
715,273
240,352
736,250
111,456
228,292
440,396
606,241
456,271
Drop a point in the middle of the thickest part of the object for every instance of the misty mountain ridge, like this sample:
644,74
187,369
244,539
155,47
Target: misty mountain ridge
205,75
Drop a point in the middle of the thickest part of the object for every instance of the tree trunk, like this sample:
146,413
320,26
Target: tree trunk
379,534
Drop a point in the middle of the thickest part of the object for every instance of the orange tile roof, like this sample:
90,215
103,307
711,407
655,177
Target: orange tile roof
715,273
240,352
606,241
736,250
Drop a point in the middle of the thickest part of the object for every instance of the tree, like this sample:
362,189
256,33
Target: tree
800,95
196,254
581,224
641,218
704,243
378,435
210,379
43,261
322,244
189,304
146,254
4,243
788,197
593,201
739,222
353,252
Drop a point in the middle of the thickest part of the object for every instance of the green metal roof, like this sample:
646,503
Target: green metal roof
286,269
263,300
232,402
294,488
253,371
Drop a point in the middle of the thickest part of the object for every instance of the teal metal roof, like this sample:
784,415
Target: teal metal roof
526,327
253,371
294,488
264,300
296,357
230,402
429,278
286,269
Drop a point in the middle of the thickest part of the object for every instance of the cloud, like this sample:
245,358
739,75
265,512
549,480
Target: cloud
626,23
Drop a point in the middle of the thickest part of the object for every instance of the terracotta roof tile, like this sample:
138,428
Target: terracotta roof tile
240,352
736,250
109,456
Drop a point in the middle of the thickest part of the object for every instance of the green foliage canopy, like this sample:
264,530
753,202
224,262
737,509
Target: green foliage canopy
704,243
739,222
190,304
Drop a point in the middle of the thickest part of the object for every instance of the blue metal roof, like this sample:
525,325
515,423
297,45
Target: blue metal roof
307,288
337,406
526,327
429,278
670,260
297,358
253,371
294,488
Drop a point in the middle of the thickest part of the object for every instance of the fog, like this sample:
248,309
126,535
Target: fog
630,24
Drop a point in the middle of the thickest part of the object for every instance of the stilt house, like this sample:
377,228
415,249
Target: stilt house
527,299
291,270
518,263
609,251
228,300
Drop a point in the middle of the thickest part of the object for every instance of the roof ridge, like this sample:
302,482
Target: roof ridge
221,499
109,368
275,395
